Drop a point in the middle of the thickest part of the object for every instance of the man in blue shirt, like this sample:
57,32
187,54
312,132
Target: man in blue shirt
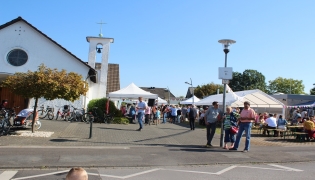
140,108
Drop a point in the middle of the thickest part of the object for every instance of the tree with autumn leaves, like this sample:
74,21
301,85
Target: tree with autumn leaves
47,83
207,90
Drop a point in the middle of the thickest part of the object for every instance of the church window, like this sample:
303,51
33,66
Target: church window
17,57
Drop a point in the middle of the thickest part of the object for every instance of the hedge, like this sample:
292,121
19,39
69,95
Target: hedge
101,104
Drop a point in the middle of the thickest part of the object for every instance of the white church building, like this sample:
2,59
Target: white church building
23,47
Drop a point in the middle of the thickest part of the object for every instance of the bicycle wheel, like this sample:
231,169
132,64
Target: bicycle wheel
38,124
86,117
105,120
50,115
41,114
57,115
5,127
72,117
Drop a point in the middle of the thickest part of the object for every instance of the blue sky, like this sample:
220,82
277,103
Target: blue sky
166,42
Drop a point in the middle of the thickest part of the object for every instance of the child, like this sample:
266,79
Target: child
157,116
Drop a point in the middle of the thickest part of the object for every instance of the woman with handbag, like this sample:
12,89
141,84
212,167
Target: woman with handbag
230,127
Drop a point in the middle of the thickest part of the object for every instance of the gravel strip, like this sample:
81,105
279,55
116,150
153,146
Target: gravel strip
35,134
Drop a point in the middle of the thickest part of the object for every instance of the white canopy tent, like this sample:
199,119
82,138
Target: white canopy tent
190,100
161,101
131,92
257,99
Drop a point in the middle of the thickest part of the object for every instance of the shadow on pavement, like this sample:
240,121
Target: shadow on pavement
63,140
161,137
118,129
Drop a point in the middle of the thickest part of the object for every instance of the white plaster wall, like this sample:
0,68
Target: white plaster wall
56,103
39,50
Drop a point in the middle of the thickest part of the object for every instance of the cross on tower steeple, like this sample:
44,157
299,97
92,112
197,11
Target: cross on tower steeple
101,23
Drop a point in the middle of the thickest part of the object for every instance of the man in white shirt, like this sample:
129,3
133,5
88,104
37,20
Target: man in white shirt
271,123
141,106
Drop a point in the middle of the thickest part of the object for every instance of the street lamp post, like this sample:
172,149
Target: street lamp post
193,96
226,43
91,122
169,95
85,81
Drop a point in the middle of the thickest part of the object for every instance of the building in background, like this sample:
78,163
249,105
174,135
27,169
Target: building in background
189,93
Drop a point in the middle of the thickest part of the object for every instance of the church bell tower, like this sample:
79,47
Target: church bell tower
99,45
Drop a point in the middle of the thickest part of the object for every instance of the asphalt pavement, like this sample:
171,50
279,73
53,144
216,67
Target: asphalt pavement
114,145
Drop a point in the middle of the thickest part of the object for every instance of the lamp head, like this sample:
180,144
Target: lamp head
226,43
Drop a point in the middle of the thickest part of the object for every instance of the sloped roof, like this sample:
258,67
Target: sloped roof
161,92
256,98
189,92
23,20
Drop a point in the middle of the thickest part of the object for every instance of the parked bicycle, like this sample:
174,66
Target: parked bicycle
49,112
106,118
64,113
109,118
5,123
93,116
76,114
12,113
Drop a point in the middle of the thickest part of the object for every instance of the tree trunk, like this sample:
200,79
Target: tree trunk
34,115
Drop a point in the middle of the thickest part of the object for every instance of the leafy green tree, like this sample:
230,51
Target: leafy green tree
312,91
287,86
207,90
47,83
249,79
236,83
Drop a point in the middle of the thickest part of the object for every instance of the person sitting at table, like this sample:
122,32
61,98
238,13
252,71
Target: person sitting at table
296,118
271,123
309,127
282,124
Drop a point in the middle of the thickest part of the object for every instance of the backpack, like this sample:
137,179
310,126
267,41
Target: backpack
179,112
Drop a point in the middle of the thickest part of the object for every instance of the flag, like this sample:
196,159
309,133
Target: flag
107,106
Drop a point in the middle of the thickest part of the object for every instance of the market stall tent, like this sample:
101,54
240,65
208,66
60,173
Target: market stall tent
258,100
303,105
190,100
131,92
161,101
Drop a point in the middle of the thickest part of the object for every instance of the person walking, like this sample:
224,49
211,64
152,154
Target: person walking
147,115
158,116
173,114
183,114
192,116
4,104
140,108
230,120
179,113
245,124
211,117
164,111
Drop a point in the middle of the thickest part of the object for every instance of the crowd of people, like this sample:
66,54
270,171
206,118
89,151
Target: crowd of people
236,121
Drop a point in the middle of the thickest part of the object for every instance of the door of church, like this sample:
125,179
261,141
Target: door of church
13,99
